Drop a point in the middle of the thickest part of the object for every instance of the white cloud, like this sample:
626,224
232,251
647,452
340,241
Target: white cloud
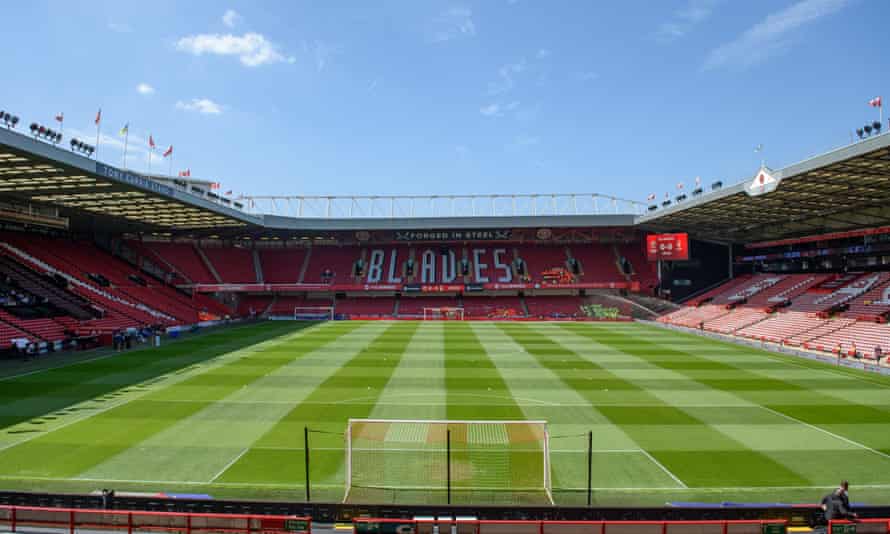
684,20
120,27
453,23
507,77
200,105
491,110
523,141
145,89
252,49
321,53
231,18
770,35
497,109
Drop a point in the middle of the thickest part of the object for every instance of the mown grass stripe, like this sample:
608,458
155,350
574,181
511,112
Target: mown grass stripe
42,393
724,465
76,448
199,446
755,389
277,456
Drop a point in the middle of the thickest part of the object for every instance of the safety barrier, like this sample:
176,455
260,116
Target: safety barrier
474,526
132,521
860,526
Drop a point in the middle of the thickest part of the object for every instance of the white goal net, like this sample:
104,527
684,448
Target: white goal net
443,314
453,456
314,313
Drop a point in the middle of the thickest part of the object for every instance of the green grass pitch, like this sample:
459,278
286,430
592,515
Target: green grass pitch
674,416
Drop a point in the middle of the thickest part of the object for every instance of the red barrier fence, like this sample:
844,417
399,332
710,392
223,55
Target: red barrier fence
860,526
473,526
136,521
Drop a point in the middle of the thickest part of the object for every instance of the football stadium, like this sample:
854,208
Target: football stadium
174,358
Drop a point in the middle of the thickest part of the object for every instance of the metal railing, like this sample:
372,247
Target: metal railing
394,206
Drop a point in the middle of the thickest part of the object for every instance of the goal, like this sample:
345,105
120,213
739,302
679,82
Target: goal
314,313
443,314
450,456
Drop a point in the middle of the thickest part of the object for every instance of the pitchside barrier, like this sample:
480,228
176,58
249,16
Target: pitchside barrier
860,526
472,526
72,519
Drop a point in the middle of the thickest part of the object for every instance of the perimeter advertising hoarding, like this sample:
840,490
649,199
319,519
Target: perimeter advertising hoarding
667,247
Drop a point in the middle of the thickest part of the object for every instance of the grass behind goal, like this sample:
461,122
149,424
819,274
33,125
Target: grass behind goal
510,457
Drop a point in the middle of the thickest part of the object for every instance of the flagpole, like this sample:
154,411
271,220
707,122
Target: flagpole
150,150
126,139
98,125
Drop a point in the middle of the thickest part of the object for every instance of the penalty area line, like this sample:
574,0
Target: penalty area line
228,465
665,469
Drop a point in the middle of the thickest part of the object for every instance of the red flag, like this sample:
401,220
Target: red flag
98,116
151,142
60,117
186,173
169,151
214,185
680,185
875,102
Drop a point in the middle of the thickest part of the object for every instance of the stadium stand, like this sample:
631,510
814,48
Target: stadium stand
874,304
735,320
282,266
233,264
554,306
337,261
413,306
373,307
861,336
185,259
835,292
597,263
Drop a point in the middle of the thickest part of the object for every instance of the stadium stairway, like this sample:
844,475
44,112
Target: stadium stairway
874,304
862,335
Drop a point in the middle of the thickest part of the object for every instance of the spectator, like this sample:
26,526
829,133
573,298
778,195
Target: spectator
878,353
836,504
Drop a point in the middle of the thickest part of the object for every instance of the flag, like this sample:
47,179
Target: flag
98,117
875,102
679,185
185,174
169,151
214,185
60,117
125,130
151,142
651,197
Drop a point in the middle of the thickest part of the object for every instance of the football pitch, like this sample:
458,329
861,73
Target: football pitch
674,417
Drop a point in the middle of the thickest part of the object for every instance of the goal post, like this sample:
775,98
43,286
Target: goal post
448,456
443,314
314,313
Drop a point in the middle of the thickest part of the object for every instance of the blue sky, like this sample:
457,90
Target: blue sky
431,97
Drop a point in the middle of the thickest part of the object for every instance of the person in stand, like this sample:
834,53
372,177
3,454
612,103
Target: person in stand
879,353
836,504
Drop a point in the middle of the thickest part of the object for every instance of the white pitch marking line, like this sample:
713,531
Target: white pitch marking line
279,485
830,433
665,469
230,464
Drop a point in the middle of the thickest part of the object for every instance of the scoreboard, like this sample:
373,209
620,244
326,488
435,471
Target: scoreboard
667,247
